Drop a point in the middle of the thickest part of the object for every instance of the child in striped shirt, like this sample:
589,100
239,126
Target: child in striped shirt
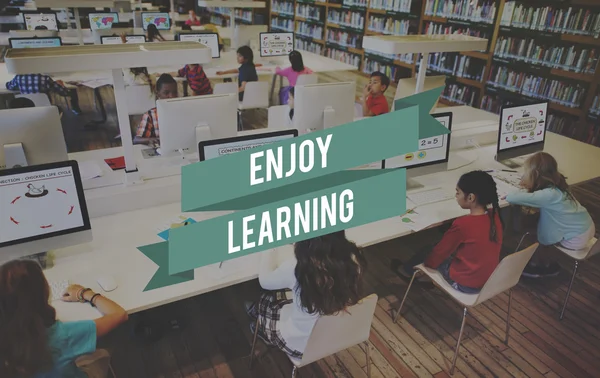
197,80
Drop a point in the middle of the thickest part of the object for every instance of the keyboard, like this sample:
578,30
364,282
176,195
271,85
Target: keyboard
430,196
513,179
57,288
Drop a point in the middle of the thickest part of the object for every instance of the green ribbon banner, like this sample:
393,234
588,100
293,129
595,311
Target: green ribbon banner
293,190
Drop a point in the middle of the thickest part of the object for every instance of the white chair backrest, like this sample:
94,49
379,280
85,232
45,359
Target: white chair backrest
256,95
358,110
406,87
278,117
595,249
39,99
507,273
332,334
140,99
307,79
225,88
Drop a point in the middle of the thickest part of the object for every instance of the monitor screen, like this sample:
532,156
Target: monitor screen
100,21
40,21
32,43
434,150
522,126
276,44
116,40
40,202
209,39
160,19
214,148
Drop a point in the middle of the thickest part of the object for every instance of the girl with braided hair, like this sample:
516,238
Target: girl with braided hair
470,250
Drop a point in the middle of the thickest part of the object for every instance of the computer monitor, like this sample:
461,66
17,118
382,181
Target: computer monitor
522,131
160,19
40,21
182,121
209,39
210,149
31,136
321,106
103,20
276,44
32,43
432,156
43,209
116,40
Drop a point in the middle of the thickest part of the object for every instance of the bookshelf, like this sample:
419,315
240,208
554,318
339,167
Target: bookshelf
244,12
538,49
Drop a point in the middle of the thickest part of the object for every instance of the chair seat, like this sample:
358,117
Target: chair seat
467,300
580,254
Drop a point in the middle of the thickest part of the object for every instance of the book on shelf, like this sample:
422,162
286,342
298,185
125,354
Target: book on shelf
401,6
483,11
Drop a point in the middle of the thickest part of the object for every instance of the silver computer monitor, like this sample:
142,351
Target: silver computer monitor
36,42
40,21
432,156
31,136
321,106
208,39
210,149
103,20
116,40
43,208
276,44
160,19
522,131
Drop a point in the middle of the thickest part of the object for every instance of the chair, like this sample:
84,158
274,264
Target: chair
95,365
277,118
225,88
406,87
505,277
307,79
39,99
591,249
256,96
335,333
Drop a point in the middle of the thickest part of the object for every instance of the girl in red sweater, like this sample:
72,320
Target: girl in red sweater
470,250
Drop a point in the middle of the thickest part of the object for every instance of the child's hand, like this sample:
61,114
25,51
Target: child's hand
258,65
366,91
220,73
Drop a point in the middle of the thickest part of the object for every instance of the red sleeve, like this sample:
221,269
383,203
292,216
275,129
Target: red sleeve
182,72
379,107
446,247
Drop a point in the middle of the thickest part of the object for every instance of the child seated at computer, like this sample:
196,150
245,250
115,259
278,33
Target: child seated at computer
373,100
246,72
291,73
34,342
470,250
147,130
563,220
38,83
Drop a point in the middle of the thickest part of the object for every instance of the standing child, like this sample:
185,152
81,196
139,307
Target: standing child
470,250
147,131
196,78
374,102
247,70
562,218
291,73
38,83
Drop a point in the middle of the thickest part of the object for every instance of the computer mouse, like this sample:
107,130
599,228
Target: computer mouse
107,283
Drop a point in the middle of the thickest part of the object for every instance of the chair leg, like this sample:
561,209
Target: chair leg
294,372
521,242
460,334
508,316
253,343
562,312
368,352
112,371
395,316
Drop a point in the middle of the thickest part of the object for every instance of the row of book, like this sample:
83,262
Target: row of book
309,12
376,55
457,65
344,38
595,108
389,70
284,24
309,30
283,7
554,18
350,19
217,19
315,48
343,56
403,6
438,28
460,94
352,3
388,25
560,91
551,54
483,11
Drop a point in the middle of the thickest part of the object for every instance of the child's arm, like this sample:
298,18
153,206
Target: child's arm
273,277
242,86
228,72
539,198
12,85
282,72
366,111
446,247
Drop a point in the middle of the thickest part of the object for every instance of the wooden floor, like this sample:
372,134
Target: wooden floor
212,336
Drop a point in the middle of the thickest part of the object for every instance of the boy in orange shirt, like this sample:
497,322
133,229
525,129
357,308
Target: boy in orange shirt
374,102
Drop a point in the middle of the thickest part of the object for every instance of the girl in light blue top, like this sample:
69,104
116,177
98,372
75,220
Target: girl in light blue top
563,220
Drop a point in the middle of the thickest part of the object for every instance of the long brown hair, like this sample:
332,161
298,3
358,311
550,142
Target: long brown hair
329,272
25,316
541,172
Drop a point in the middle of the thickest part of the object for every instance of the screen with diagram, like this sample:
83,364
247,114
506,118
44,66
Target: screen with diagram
522,125
160,19
276,44
218,147
115,40
33,43
37,203
99,21
40,21
208,39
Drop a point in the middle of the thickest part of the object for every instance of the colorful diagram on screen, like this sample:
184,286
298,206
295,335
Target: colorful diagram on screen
523,125
102,22
30,209
161,21
275,44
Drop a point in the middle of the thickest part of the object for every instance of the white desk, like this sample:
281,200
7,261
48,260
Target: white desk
116,237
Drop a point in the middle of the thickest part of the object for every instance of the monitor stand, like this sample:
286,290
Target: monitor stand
328,118
41,258
14,155
510,163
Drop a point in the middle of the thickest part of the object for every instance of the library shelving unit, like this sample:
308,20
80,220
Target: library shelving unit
537,49
244,12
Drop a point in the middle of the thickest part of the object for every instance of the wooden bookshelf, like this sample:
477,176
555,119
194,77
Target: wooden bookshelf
243,15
